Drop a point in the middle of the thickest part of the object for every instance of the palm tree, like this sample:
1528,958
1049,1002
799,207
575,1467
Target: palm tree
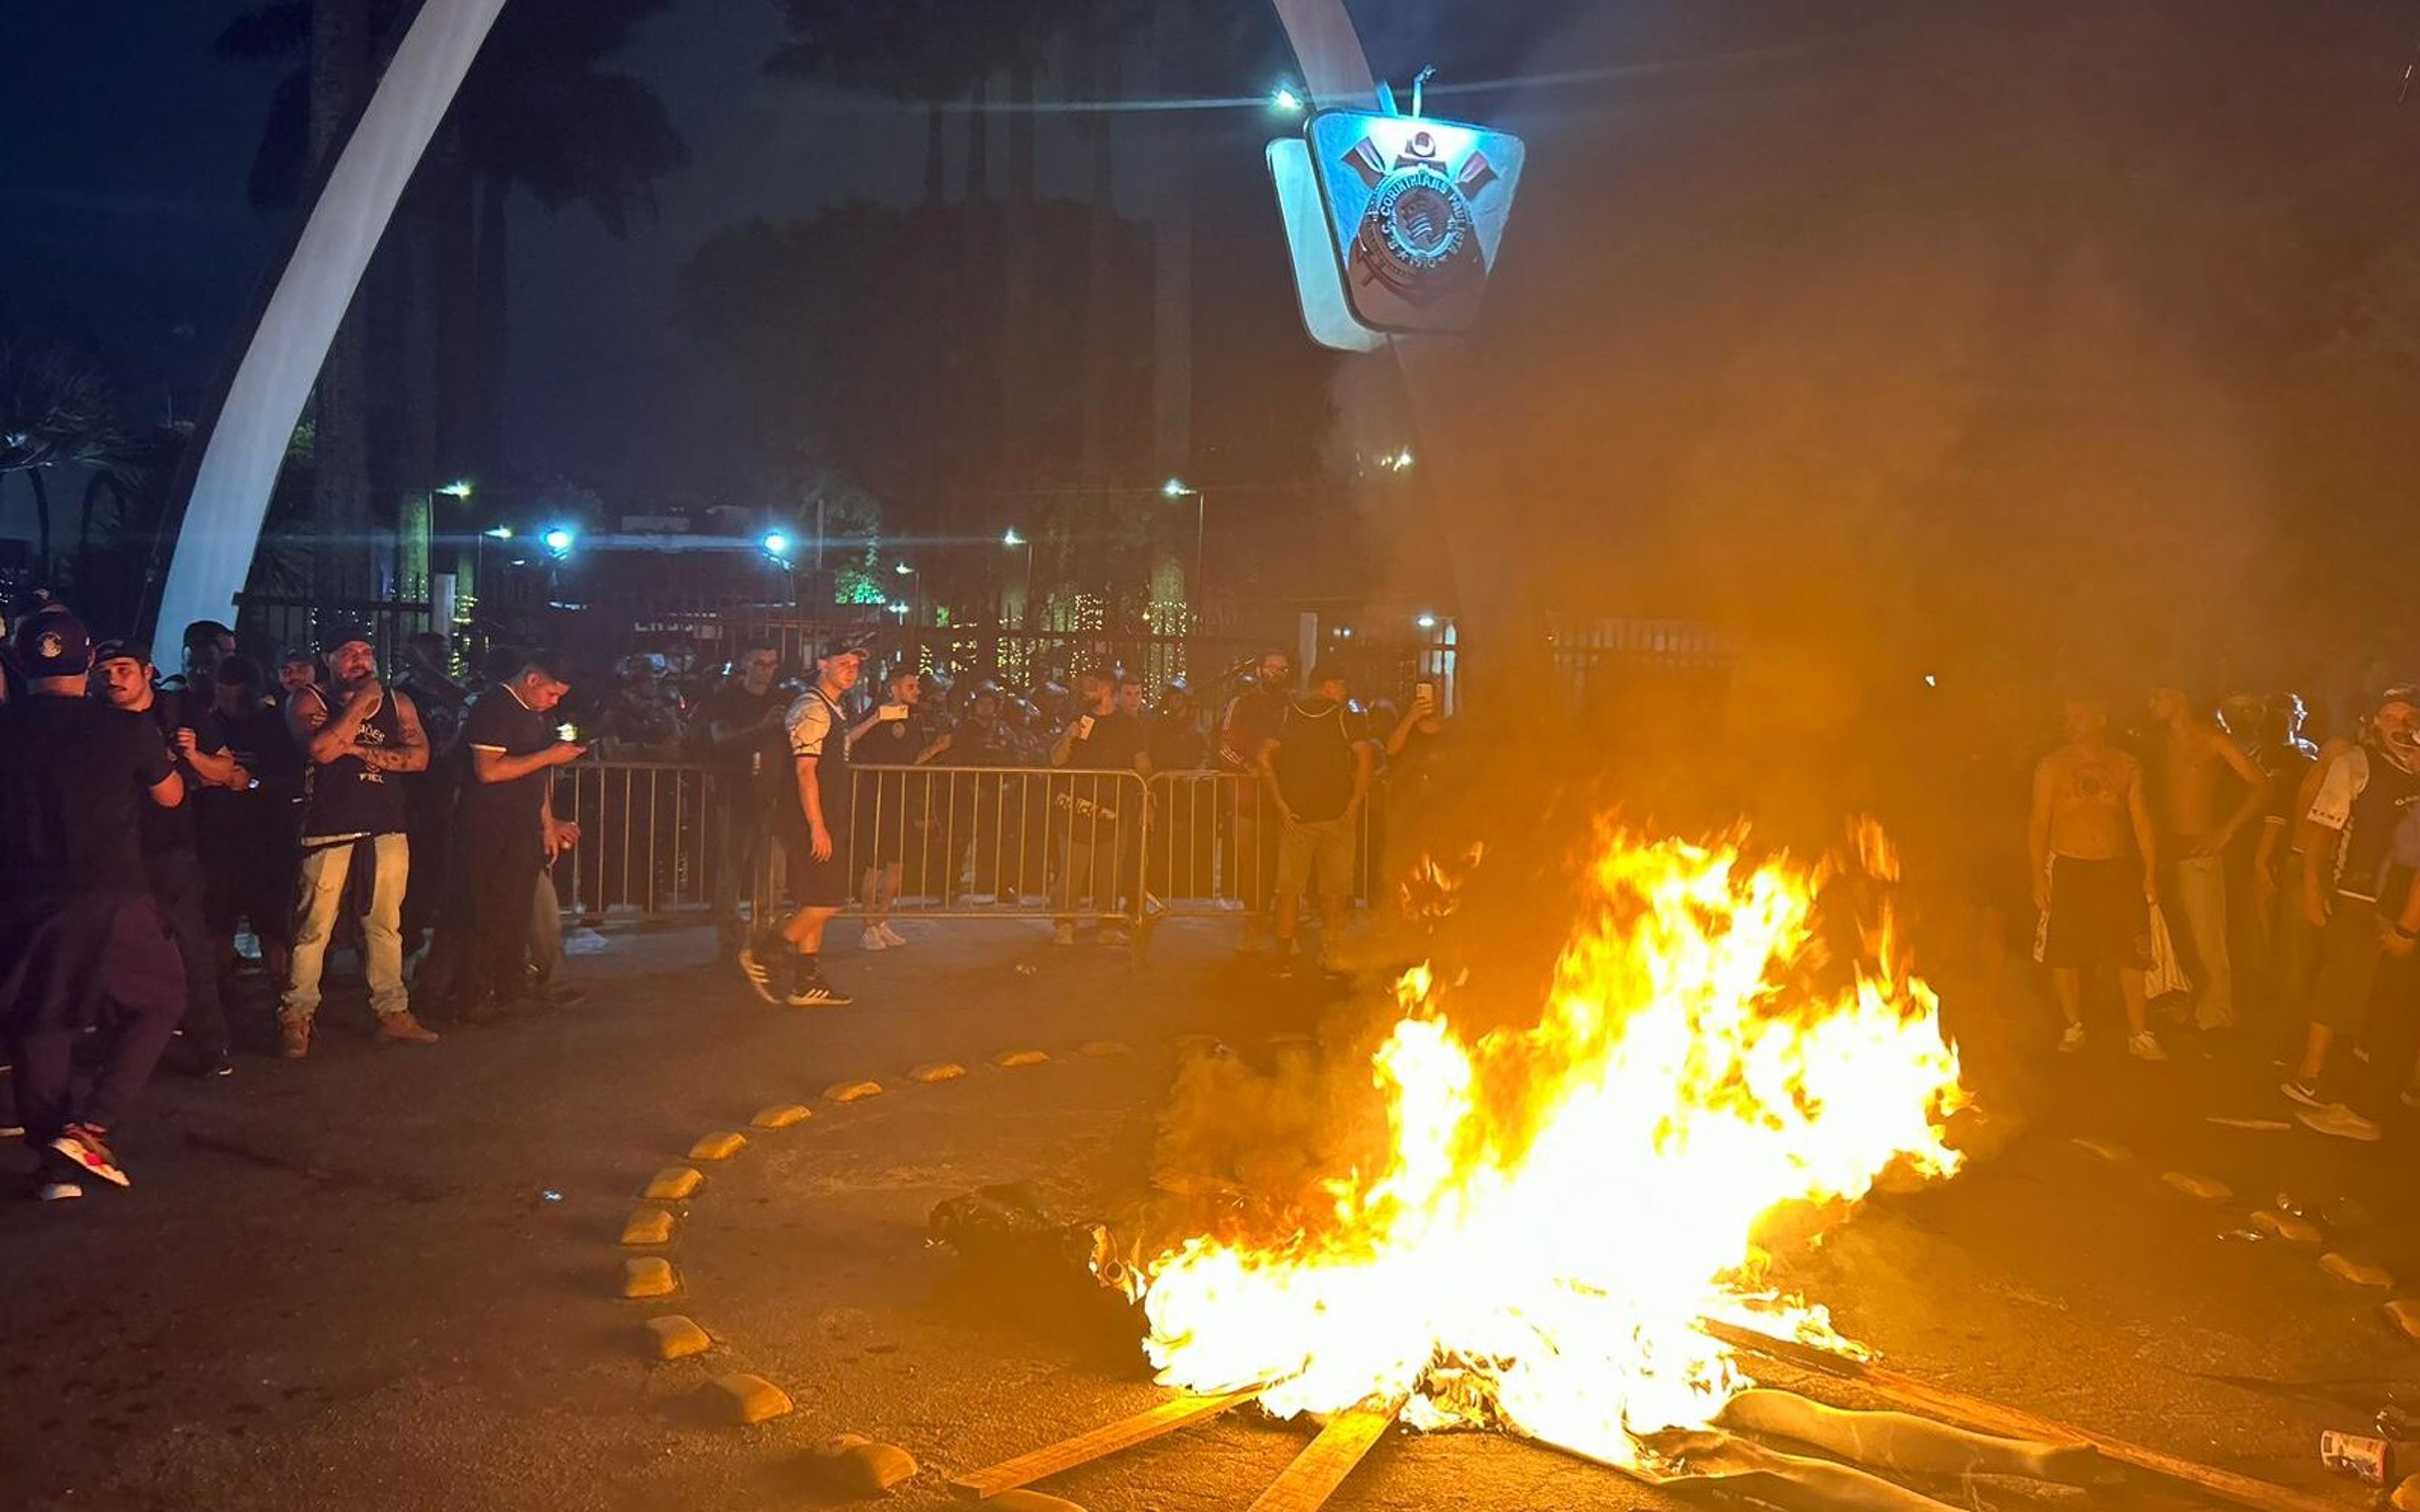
58,409
539,111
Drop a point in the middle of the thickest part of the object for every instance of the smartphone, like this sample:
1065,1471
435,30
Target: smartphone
1084,728
566,731
892,711
1426,691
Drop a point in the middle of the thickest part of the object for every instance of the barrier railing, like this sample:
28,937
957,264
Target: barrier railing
945,841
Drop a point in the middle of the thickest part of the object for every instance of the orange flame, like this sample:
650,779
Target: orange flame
1560,1205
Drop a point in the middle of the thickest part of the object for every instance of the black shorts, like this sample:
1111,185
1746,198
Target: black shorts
813,884
2098,916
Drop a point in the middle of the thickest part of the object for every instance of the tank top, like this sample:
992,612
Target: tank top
2370,834
343,798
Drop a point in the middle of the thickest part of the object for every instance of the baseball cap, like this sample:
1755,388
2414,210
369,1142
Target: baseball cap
52,643
842,645
345,635
2398,693
121,649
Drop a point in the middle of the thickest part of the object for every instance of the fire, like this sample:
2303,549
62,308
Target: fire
1558,1206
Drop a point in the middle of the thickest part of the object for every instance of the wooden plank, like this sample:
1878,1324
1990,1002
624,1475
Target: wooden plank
1319,1469
1990,1417
1083,1448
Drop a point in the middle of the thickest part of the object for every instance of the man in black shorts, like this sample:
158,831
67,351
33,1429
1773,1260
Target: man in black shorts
80,936
810,808
2093,888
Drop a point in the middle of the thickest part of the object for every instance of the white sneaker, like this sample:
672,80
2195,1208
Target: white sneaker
2306,1093
59,1191
2071,1039
1064,935
2143,1047
890,936
2341,1122
872,940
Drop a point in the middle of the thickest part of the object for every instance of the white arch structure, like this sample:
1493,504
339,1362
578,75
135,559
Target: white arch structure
247,439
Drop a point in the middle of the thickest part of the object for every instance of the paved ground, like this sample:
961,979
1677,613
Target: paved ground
388,1278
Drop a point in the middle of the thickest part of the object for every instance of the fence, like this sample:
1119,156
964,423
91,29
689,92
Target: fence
965,843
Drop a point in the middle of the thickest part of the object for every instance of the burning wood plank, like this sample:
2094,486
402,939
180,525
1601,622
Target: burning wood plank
1083,1448
1990,1417
1319,1469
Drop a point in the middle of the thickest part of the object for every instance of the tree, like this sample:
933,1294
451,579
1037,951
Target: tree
58,409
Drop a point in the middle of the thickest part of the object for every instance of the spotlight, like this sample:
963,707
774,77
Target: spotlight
1284,99
777,545
560,539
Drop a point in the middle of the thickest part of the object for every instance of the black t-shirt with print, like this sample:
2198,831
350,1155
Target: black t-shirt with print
500,721
73,779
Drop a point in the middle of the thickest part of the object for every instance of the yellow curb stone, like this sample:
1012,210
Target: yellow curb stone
648,1225
721,1144
2405,1312
2201,1188
2112,1153
674,1183
744,1399
938,1070
650,1276
676,1338
1099,1050
858,1464
1020,1058
2355,1271
2291,1229
852,1091
780,1116
1021,1500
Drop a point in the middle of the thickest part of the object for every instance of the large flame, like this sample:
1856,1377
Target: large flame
1558,1206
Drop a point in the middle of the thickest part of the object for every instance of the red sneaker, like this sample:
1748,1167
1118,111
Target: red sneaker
80,1145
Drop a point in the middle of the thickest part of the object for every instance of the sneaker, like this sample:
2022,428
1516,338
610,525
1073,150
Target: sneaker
2142,1046
294,1038
2306,1093
218,1063
760,976
890,936
400,1028
812,990
80,1145
2341,1122
1063,935
59,1191
2071,1039
873,938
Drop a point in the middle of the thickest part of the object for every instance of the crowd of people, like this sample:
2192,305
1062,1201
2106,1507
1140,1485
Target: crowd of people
158,824
2224,865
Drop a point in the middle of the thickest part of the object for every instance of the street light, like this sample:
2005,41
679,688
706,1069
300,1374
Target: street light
1283,100
560,539
497,532
1014,541
777,546
1176,488
1426,622
458,488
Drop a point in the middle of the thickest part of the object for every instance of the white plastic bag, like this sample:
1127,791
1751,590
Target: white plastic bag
2166,975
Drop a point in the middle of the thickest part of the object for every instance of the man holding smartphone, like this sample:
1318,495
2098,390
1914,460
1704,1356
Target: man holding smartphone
810,805
1088,812
504,827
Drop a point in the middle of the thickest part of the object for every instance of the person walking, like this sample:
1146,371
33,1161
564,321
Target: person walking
355,739
80,939
2094,897
810,804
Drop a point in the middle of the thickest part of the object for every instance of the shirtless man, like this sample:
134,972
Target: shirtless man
2195,757
2093,895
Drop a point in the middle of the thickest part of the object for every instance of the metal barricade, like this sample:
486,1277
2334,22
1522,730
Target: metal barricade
1212,839
647,836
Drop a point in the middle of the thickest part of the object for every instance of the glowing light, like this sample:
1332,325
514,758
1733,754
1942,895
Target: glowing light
560,539
1426,622
1931,681
1283,98
458,488
898,607
1175,489
499,532
1011,538
777,545
1404,459
903,569
1546,1211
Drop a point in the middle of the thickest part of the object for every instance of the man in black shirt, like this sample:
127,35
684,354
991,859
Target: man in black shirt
501,827
172,862
1249,723
1318,769
1185,812
742,723
79,932
1091,811
247,833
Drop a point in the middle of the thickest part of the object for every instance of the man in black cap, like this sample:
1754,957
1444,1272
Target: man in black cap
79,932
355,740
809,800
172,861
